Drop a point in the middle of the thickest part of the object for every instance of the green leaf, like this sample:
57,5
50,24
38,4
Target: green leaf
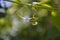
55,17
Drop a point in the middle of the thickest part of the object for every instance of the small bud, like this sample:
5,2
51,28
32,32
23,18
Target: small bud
34,23
53,13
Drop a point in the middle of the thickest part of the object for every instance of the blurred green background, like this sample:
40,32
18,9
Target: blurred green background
29,19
